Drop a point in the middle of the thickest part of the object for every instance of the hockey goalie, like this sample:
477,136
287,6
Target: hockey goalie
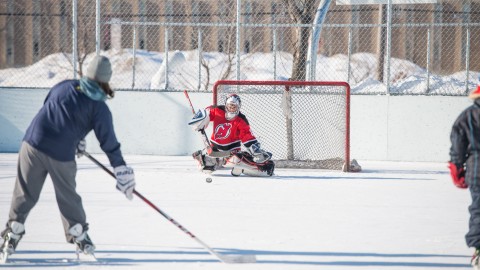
231,131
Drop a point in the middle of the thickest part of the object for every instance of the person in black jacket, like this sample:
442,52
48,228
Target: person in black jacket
464,166
70,111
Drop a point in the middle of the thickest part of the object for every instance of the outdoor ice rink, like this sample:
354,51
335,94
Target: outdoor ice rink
393,215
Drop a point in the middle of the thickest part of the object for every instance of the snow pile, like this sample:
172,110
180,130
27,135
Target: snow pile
150,72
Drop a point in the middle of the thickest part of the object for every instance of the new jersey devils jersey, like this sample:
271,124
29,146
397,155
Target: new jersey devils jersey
229,135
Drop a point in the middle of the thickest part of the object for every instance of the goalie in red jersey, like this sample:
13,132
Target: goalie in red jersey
231,130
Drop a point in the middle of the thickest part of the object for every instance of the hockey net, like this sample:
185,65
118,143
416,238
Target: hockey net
304,124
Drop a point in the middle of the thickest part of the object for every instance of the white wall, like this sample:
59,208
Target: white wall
403,128
400,128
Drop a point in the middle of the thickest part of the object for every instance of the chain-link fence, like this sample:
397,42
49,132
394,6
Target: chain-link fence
189,44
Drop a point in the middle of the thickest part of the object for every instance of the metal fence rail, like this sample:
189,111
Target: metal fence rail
176,45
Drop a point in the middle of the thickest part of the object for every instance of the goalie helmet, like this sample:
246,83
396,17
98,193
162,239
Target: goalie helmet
232,106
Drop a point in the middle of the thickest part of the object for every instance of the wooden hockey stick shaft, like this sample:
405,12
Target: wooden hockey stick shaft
221,257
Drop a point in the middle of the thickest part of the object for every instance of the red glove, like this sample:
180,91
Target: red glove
458,175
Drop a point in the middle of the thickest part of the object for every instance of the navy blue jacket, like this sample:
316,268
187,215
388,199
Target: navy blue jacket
465,138
66,117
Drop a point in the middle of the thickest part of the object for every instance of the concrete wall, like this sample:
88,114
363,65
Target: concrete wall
398,128
403,128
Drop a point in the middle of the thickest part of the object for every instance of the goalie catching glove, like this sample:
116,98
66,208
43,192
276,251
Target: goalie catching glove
259,155
125,180
200,120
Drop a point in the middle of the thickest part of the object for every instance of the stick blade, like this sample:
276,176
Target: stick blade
238,258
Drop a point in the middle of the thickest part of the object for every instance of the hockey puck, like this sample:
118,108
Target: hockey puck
209,180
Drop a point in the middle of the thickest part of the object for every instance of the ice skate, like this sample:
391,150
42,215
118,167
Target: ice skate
84,246
3,257
11,238
475,259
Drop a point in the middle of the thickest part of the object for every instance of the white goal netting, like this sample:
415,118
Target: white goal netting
303,124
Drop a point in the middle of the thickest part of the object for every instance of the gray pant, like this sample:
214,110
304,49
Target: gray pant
32,169
473,235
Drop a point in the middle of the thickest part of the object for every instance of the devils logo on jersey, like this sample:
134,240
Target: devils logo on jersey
222,131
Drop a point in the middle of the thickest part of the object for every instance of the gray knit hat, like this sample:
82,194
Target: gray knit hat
99,69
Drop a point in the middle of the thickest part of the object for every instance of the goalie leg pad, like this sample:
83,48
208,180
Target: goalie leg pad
206,164
255,172
242,162
236,171
268,167
258,154
198,156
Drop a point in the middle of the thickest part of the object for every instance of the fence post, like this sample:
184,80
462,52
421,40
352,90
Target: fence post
239,4
467,58
349,68
199,59
74,43
389,43
429,37
134,48
97,27
274,53
165,58
320,15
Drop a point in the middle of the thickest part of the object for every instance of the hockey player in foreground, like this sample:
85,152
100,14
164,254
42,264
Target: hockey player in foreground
465,168
231,130
70,111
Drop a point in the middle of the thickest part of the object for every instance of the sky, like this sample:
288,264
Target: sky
149,72
392,215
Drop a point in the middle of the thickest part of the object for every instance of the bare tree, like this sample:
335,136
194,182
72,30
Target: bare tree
230,51
301,12
207,70
86,44
85,28
228,46
228,40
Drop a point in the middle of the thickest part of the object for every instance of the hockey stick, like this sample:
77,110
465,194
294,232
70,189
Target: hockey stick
222,257
205,139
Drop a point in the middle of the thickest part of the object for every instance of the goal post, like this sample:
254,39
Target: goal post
304,124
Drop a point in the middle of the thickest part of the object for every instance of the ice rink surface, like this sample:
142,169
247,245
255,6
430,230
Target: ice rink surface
392,215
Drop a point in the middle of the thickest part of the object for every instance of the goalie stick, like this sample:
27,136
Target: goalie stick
222,257
205,139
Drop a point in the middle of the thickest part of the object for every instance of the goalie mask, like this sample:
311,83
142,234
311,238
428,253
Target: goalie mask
232,106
